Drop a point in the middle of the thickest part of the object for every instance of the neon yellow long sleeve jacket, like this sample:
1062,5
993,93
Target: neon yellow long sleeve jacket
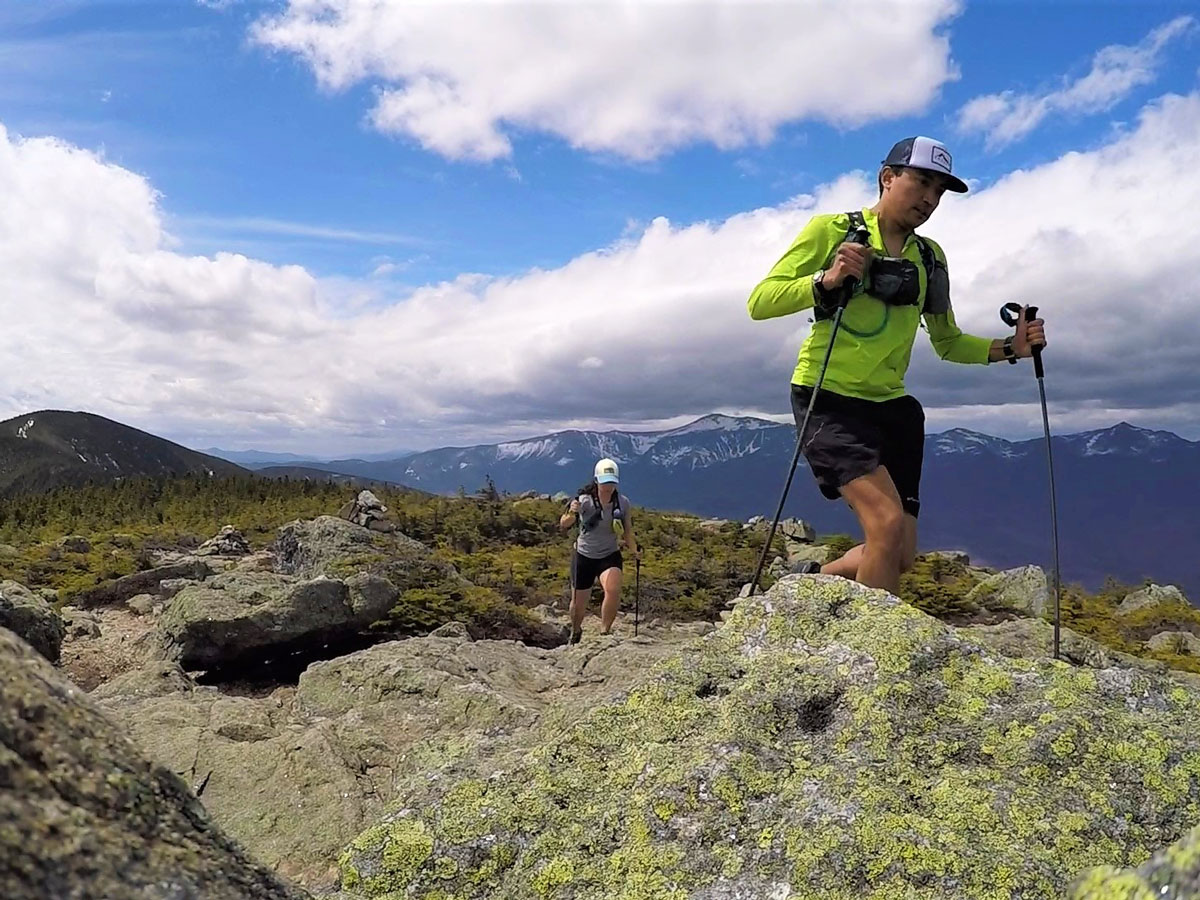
874,346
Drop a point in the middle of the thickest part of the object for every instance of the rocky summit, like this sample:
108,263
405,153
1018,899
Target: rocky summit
828,742
298,774
824,741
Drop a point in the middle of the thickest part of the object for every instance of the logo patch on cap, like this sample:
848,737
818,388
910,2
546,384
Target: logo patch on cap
940,157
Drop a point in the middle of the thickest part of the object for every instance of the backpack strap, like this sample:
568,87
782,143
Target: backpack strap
928,257
856,222
594,517
937,283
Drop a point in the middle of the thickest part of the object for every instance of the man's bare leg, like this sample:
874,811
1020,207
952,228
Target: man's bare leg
876,503
846,565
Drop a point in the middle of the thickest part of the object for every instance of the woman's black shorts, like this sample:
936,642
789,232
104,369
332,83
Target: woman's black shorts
849,437
585,570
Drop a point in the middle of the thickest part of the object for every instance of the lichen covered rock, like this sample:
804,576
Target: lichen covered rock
241,615
1034,639
32,618
1149,596
84,815
296,775
1171,874
828,741
1023,589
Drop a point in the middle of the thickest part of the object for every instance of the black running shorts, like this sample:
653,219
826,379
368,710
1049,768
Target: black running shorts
585,570
849,437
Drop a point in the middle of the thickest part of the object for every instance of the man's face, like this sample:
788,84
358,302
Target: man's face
913,195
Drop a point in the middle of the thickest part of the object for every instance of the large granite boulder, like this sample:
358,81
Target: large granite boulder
1023,589
240,616
145,582
297,774
335,548
1034,639
828,741
1180,643
1150,596
83,815
29,616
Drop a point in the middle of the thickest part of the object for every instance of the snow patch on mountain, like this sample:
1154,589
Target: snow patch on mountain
539,447
963,440
718,422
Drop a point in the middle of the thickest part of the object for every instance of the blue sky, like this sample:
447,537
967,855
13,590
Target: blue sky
254,130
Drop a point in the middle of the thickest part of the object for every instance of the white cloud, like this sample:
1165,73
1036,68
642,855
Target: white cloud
225,349
262,225
1116,71
637,78
384,269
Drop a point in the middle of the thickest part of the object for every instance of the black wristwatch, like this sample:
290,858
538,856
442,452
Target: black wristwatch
1009,353
818,282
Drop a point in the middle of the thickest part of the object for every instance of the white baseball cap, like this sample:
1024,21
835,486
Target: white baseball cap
926,153
607,472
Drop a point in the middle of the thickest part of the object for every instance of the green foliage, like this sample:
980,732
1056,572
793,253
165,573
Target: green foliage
189,508
517,549
939,586
510,549
123,521
838,543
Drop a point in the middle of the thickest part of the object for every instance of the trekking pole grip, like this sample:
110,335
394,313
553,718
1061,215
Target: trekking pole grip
1009,313
1038,370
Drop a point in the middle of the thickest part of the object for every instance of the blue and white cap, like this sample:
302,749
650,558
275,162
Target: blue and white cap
926,153
607,472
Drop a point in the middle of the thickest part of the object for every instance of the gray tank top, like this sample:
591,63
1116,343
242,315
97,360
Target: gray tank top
597,533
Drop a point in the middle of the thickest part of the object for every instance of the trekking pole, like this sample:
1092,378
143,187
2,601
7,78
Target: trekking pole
849,286
1009,314
637,592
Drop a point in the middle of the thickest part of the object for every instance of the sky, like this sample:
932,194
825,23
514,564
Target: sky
345,226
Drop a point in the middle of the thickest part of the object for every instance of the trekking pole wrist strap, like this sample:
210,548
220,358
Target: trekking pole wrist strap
1009,353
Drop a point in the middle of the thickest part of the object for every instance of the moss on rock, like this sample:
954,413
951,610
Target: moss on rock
1171,874
829,741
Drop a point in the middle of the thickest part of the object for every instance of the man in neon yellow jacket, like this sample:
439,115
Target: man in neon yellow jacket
866,437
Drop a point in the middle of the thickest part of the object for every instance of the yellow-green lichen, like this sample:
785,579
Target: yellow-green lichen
552,875
833,743
397,850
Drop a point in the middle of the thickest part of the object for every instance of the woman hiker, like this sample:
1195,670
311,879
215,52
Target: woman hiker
597,554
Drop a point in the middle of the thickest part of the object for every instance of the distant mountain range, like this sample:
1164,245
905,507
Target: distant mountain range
52,448
260,459
1128,497
304,473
